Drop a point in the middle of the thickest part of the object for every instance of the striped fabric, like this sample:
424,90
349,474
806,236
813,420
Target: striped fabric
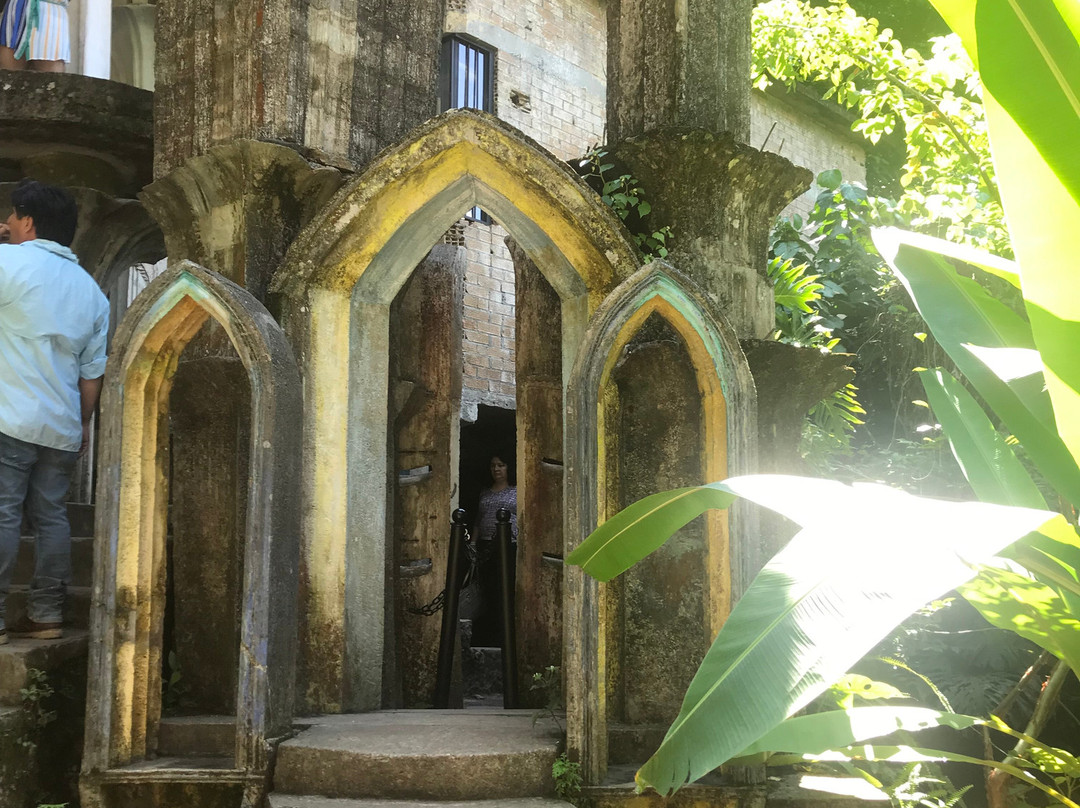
36,29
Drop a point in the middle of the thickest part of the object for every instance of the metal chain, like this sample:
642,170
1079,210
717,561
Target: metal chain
436,604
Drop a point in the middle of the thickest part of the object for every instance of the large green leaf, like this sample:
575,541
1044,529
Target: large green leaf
1053,555
638,529
819,732
1030,63
1038,188
988,462
1029,608
815,609
961,314
1042,217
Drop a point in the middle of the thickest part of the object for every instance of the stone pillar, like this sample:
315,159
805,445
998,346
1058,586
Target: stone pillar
338,79
539,474
237,208
682,63
678,119
96,36
425,396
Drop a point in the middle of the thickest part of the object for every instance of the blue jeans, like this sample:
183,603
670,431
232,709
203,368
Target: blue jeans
39,477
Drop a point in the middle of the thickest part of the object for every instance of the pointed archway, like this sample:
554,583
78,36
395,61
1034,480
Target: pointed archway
130,568
721,402
335,289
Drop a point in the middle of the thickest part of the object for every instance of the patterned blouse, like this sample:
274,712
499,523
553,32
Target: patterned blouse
490,502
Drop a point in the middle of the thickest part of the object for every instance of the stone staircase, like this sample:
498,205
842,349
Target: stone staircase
43,684
419,759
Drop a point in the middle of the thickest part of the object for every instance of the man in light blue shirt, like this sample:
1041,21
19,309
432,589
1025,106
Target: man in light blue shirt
53,327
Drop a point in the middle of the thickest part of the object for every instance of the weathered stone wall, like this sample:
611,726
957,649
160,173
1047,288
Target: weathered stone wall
550,63
210,410
489,334
425,388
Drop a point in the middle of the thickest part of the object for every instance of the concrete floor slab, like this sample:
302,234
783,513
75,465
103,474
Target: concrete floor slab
292,801
421,755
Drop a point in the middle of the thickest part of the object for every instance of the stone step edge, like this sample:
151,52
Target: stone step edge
307,801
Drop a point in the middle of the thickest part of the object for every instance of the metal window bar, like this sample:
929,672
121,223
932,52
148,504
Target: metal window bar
468,85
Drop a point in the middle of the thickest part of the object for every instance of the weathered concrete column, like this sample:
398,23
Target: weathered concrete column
679,63
657,626
540,475
338,79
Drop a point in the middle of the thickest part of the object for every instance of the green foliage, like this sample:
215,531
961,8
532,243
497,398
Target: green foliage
816,608
911,788
35,698
820,604
174,686
567,776
548,683
623,194
935,100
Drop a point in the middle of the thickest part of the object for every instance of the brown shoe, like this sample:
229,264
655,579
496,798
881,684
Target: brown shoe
25,627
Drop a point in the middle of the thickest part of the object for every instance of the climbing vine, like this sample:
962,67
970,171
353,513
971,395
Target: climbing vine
623,194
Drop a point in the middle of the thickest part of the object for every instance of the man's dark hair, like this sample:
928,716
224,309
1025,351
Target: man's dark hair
53,210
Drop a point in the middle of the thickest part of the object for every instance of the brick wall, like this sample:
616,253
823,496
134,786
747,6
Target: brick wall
809,134
549,83
550,62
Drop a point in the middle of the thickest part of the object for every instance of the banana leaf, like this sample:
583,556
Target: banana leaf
867,556
913,754
817,733
1031,64
988,462
1028,56
961,314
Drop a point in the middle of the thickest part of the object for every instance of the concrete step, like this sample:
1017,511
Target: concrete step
21,656
212,736
421,755
82,561
76,605
80,517
293,801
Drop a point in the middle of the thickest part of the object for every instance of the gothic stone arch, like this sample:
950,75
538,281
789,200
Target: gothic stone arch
728,404
336,286
124,697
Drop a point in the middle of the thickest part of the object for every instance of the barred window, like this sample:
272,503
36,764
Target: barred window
467,81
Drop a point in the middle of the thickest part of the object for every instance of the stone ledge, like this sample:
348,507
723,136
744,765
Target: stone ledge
76,131
21,655
293,801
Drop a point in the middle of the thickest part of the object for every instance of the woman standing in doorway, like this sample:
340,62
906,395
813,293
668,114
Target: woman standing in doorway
501,494
34,33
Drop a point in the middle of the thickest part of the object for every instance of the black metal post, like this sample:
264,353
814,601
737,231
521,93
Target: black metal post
506,568
448,637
